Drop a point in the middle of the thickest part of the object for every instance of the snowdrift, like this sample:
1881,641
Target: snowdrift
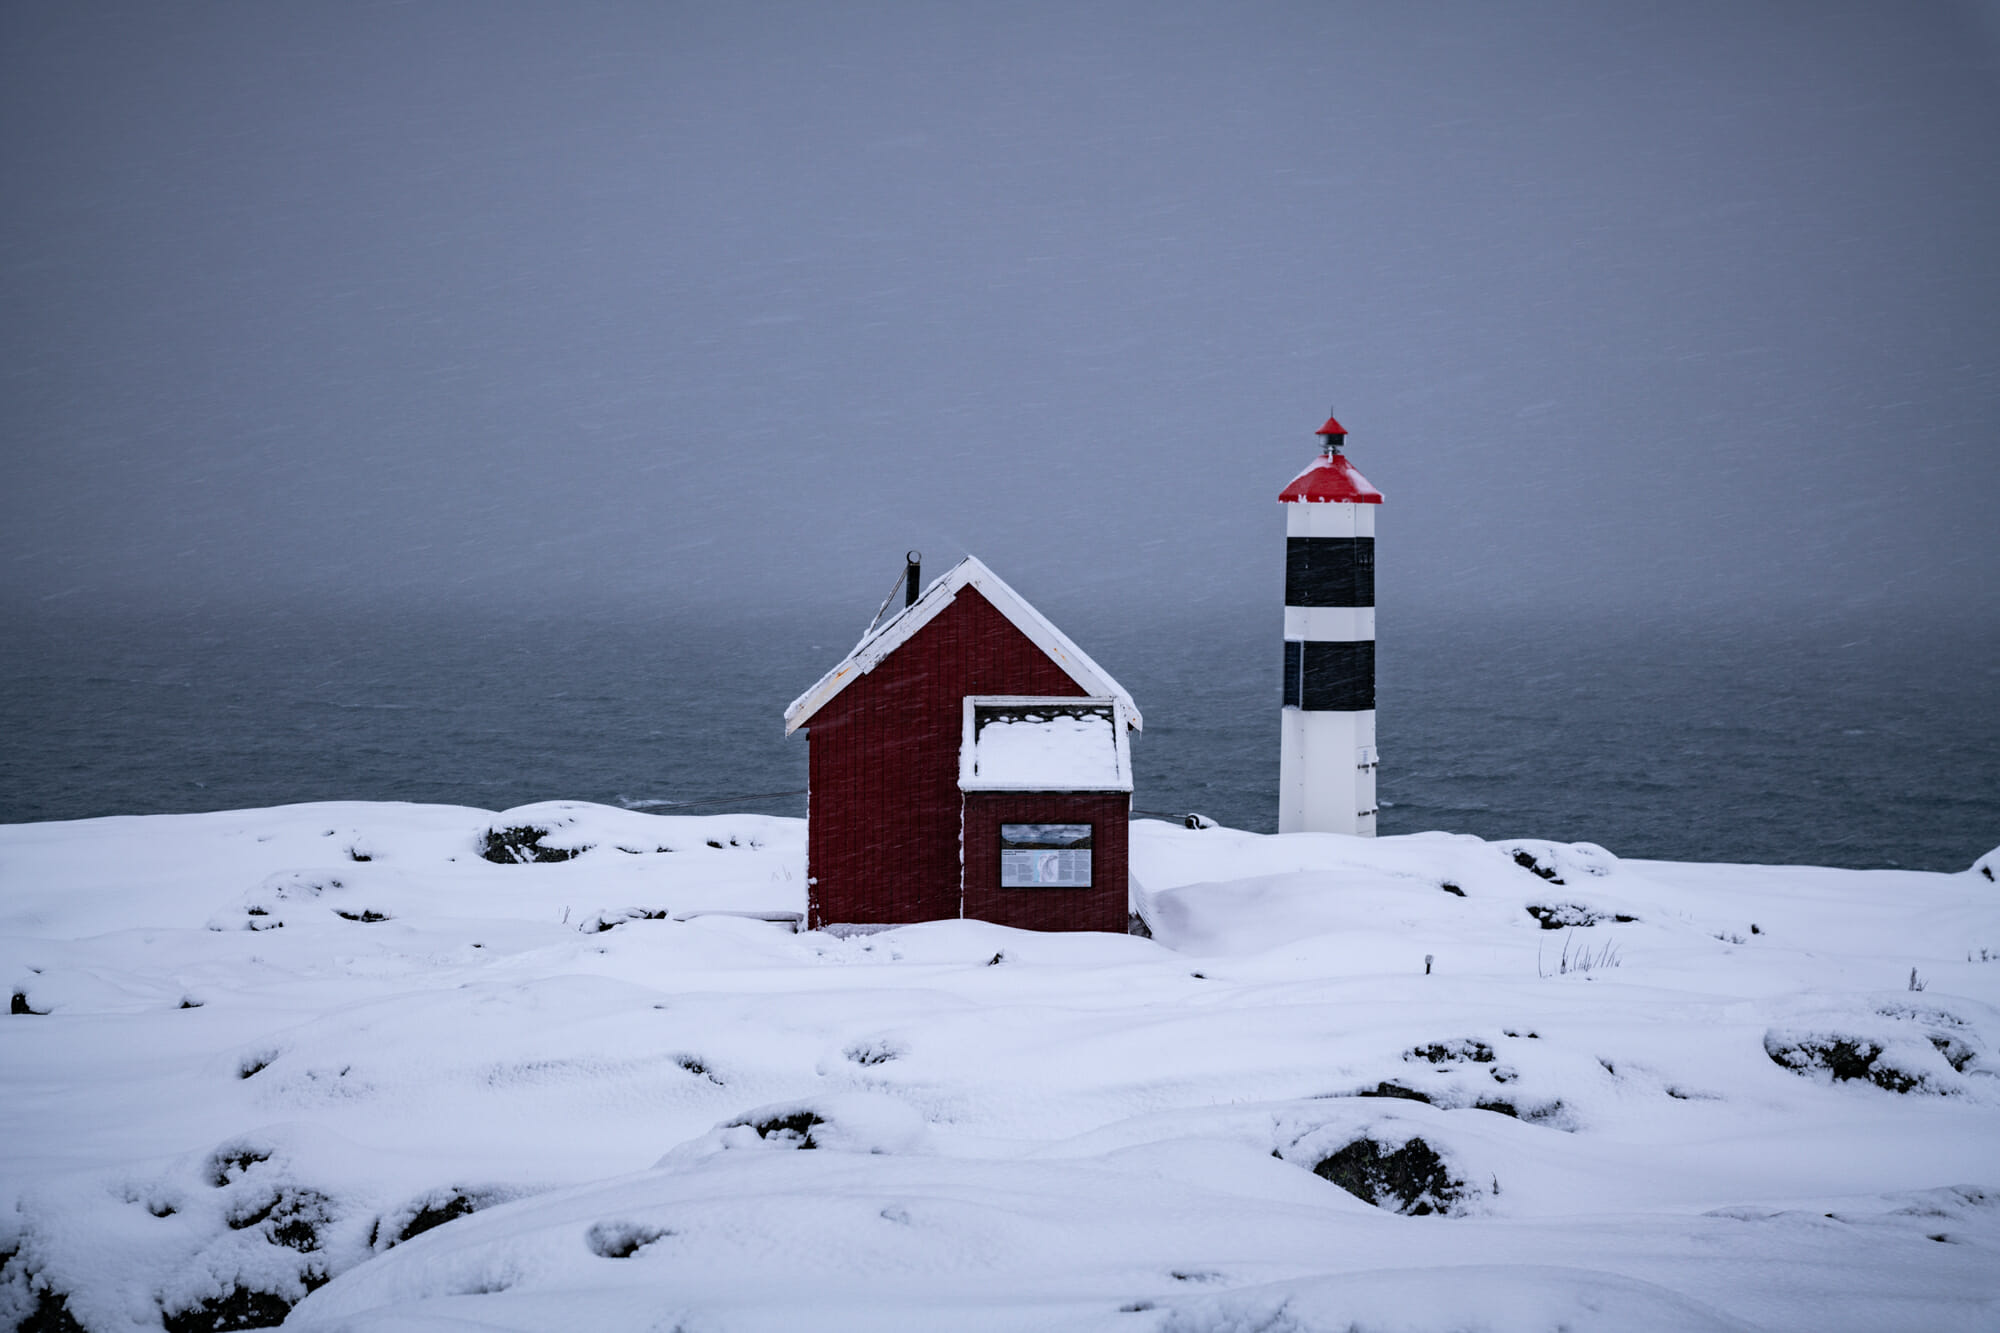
391,1067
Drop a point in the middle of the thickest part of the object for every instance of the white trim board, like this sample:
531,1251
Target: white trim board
902,627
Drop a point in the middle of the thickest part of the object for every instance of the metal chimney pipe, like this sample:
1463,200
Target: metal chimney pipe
913,576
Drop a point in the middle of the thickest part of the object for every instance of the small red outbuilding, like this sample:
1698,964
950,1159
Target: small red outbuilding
967,760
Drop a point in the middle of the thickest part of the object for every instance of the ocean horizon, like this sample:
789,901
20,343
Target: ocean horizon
1837,739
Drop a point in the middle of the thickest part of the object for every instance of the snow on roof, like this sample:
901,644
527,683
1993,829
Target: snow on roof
1331,479
1023,743
876,646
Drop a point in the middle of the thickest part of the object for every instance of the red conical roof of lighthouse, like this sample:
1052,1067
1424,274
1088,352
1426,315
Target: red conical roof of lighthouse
1331,479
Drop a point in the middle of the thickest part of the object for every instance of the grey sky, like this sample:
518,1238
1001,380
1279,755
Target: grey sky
1643,306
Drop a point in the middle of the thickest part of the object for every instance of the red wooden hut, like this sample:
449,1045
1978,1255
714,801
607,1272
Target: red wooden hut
967,760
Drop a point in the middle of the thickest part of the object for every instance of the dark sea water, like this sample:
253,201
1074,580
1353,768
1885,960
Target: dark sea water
1831,740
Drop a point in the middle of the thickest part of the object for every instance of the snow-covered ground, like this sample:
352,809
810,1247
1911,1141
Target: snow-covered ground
333,1049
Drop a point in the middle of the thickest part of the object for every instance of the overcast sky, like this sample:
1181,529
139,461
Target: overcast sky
1630,305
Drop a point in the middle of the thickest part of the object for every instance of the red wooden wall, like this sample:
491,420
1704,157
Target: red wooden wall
1102,906
882,831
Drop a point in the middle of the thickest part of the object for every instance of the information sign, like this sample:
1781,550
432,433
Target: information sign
1045,856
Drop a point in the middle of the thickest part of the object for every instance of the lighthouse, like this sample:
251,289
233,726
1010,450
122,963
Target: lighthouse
1326,768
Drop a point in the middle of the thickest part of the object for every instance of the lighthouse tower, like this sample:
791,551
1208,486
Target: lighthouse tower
1326,769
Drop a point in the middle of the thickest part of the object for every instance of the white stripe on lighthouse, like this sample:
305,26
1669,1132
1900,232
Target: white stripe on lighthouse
1330,622
1329,520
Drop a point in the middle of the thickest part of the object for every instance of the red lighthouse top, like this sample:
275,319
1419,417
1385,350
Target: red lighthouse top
1331,479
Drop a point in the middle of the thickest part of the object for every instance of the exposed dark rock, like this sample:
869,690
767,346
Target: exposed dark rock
1558,916
294,1218
1412,1179
51,1315
622,1240
871,1053
1955,1052
239,1307
609,920
1453,1052
233,1161
1526,860
440,1207
522,844
1395,1090
245,1216
20,1005
1846,1059
697,1068
796,1126
1452,889
364,916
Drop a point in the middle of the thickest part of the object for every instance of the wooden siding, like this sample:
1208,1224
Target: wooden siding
882,838
1102,906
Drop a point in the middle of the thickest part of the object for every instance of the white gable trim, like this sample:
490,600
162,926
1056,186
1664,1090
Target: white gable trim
901,628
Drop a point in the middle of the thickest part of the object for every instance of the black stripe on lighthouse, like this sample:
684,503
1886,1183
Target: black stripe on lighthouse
1329,571
1336,677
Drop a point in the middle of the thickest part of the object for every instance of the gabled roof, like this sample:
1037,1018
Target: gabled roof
902,627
